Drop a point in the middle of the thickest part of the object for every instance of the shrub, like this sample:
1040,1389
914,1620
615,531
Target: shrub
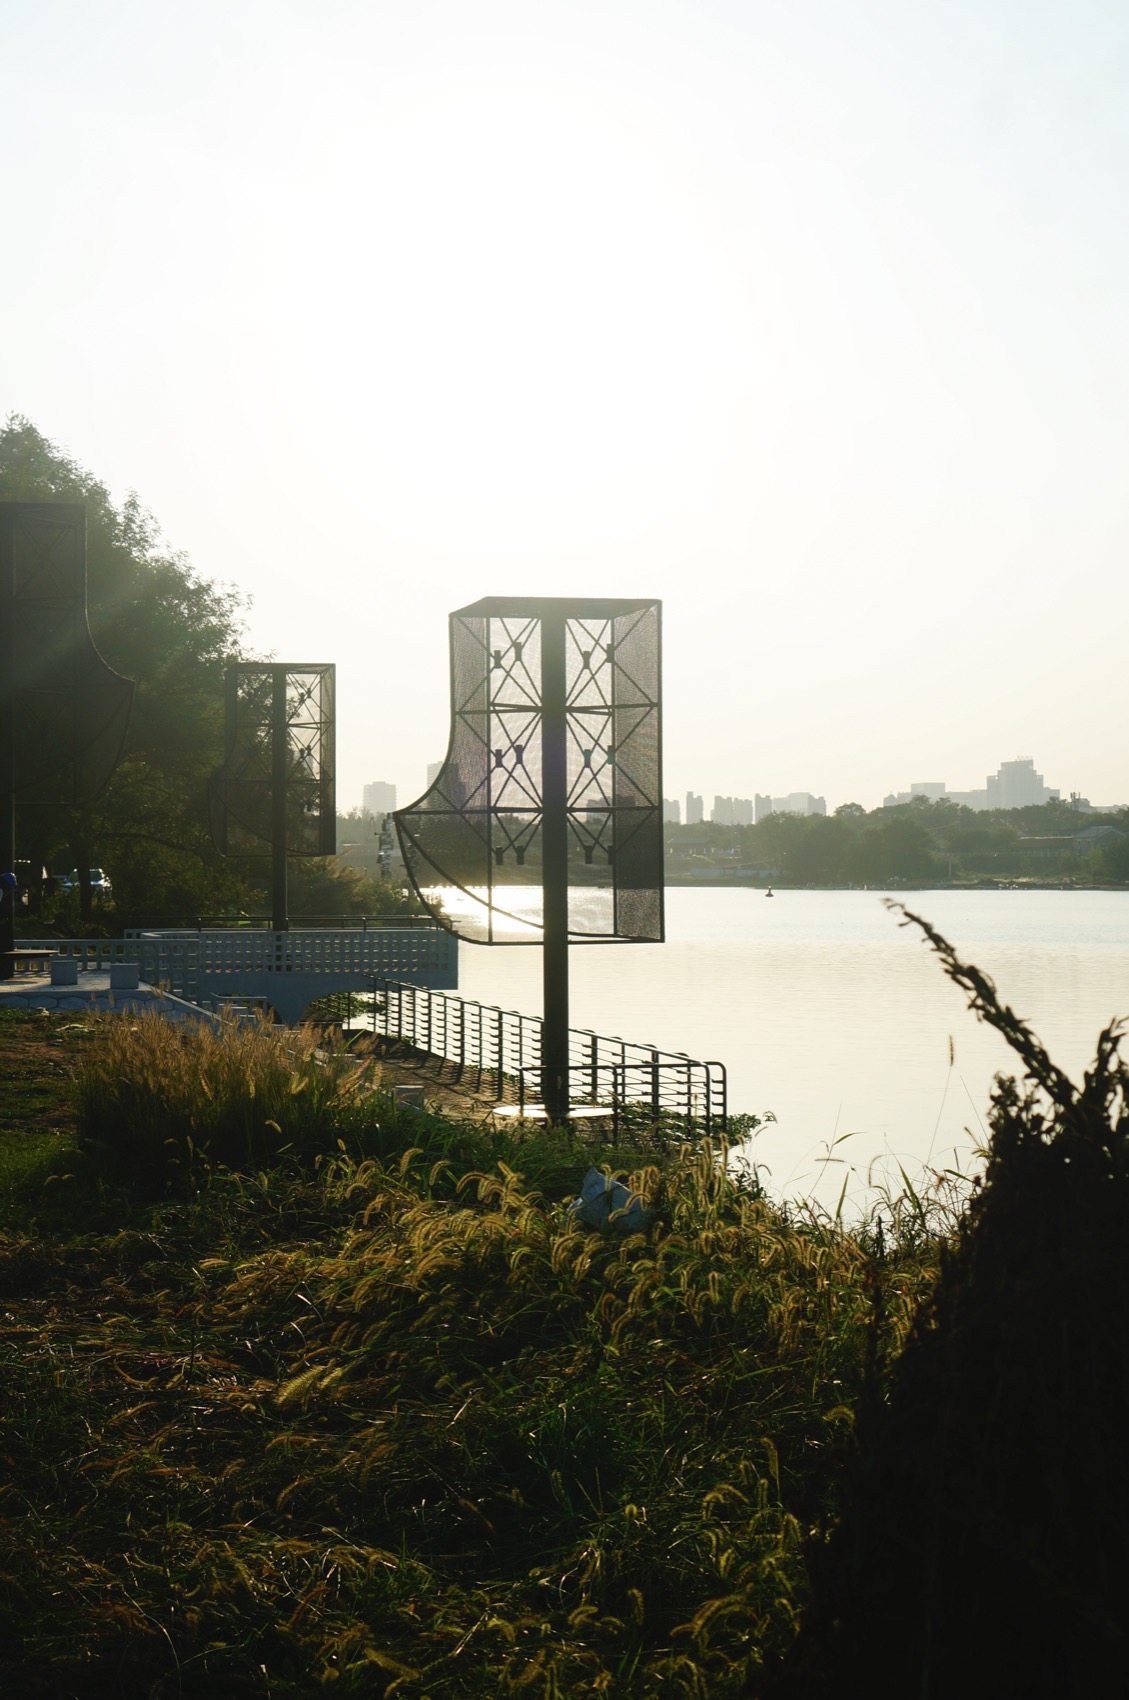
984,1521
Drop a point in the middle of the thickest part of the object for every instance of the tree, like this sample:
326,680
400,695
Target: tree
324,886
156,621
1110,861
894,847
810,849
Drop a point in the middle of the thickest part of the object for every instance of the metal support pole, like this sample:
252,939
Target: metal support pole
7,706
7,779
279,764
554,862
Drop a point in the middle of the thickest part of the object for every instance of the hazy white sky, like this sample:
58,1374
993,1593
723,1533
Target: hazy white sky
808,316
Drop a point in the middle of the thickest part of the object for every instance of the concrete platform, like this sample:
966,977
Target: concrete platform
93,994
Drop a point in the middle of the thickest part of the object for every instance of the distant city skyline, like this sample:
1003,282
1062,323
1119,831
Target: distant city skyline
1015,784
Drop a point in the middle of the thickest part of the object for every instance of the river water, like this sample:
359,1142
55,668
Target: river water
837,1020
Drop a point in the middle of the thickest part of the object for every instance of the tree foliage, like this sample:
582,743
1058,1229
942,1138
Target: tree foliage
172,631
915,842
159,623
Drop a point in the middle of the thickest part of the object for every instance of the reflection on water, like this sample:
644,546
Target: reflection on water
516,920
516,911
828,1013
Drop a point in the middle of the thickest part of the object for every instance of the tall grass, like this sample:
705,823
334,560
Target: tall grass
393,1422
159,1096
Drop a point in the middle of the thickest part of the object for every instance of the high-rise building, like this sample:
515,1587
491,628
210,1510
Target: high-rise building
933,789
379,798
434,769
1016,786
732,811
672,811
795,803
694,809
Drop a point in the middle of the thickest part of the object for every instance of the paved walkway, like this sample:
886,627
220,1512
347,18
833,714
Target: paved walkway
458,1096
442,1091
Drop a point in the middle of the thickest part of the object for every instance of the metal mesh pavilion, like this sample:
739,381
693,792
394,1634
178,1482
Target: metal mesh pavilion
278,774
555,711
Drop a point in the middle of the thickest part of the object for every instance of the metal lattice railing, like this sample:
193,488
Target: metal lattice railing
211,963
199,962
499,1050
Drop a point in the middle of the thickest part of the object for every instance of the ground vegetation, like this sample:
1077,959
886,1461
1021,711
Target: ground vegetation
300,1388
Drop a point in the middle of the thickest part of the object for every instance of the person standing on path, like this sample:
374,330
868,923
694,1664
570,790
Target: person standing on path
7,925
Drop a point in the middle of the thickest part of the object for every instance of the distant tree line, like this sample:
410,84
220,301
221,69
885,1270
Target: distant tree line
918,841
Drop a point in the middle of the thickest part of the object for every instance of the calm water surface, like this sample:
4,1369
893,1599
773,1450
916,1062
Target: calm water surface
829,1014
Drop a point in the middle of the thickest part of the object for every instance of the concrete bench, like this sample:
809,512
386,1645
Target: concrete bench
31,958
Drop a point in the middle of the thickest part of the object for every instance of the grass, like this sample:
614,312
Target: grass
161,1097
331,1395
39,1059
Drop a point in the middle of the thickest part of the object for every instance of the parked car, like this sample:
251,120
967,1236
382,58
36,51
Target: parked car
99,882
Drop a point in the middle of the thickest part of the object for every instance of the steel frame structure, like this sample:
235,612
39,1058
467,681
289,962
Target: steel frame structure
276,792
546,816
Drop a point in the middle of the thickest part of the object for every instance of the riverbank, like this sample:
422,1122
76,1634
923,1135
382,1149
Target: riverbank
759,882
302,1388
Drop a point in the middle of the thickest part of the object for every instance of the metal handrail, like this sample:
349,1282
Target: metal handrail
501,1049
690,1109
264,923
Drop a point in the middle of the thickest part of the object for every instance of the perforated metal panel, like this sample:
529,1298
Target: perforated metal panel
64,709
473,843
277,713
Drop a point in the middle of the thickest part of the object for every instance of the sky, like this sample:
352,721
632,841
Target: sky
806,316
